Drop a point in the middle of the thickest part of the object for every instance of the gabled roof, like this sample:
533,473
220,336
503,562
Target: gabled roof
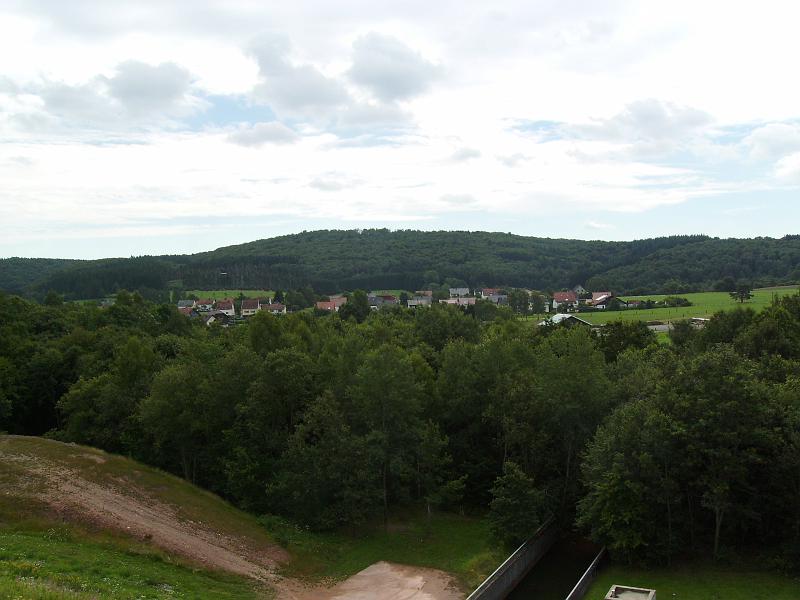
561,317
565,296
208,301
249,304
225,305
276,306
598,295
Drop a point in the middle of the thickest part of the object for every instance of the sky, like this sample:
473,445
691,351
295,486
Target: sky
151,127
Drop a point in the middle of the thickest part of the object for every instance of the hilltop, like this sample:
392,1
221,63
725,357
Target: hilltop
332,261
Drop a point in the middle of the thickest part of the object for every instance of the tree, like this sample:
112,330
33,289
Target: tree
618,336
357,307
327,477
742,293
517,508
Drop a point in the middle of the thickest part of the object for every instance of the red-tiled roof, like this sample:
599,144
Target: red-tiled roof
326,305
565,297
225,305
208,301
186,310
249,304
277,306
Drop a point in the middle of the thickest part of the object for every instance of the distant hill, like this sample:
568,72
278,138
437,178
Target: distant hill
334,260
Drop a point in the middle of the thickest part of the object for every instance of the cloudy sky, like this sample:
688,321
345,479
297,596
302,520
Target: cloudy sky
154,127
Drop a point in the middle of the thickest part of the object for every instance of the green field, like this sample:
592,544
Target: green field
699,582
223,294
704,304
65,562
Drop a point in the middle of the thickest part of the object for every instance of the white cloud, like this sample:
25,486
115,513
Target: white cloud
773,141
390,69
788,169
264,133
465,154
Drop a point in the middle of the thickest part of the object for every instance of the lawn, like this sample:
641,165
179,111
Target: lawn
699,582
223,294
64,563
456,544
704,304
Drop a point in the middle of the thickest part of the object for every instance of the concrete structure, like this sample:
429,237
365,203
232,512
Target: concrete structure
513,570
585,582
623,592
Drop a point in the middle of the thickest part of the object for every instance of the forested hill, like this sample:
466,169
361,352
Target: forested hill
332,261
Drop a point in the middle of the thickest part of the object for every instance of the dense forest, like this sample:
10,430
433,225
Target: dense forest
656,451
335,261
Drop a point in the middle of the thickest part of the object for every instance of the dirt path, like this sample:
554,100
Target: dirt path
383,581
146,518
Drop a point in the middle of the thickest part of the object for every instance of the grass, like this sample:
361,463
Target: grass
223,294
65,563
112,470
699,582
704,304
459,545
43,556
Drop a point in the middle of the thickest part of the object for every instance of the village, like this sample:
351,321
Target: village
557,305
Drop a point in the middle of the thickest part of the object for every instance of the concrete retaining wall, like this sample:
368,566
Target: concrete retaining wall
508,575
580,589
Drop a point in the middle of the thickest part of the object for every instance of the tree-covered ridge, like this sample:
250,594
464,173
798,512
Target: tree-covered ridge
334,261
18,274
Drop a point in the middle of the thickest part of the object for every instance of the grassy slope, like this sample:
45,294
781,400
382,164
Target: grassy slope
699,582
42,556
67,557
459,545
224,294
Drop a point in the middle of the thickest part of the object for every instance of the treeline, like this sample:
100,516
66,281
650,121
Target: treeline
336,261
656,451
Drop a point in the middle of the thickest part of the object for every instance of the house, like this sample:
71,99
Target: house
275,308
187,311
226,307
568,320
459,301
328,305
186,303
250,307
427,293
459,292
217,317
601,299
580,290
565,300
486,292
339,300
375,302
420,301
389,299
205,304
497,299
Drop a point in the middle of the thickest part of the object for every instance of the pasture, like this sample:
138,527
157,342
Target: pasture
223,294
704,304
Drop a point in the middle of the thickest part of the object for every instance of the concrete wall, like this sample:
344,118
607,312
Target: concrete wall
500,583
580,589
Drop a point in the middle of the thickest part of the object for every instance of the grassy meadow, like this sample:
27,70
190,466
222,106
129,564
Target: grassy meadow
699,581
704,304
223,294
457,544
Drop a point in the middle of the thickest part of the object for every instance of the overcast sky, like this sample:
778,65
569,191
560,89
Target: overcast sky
155,127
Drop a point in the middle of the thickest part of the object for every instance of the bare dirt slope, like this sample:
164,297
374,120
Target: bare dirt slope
383,581
85,485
